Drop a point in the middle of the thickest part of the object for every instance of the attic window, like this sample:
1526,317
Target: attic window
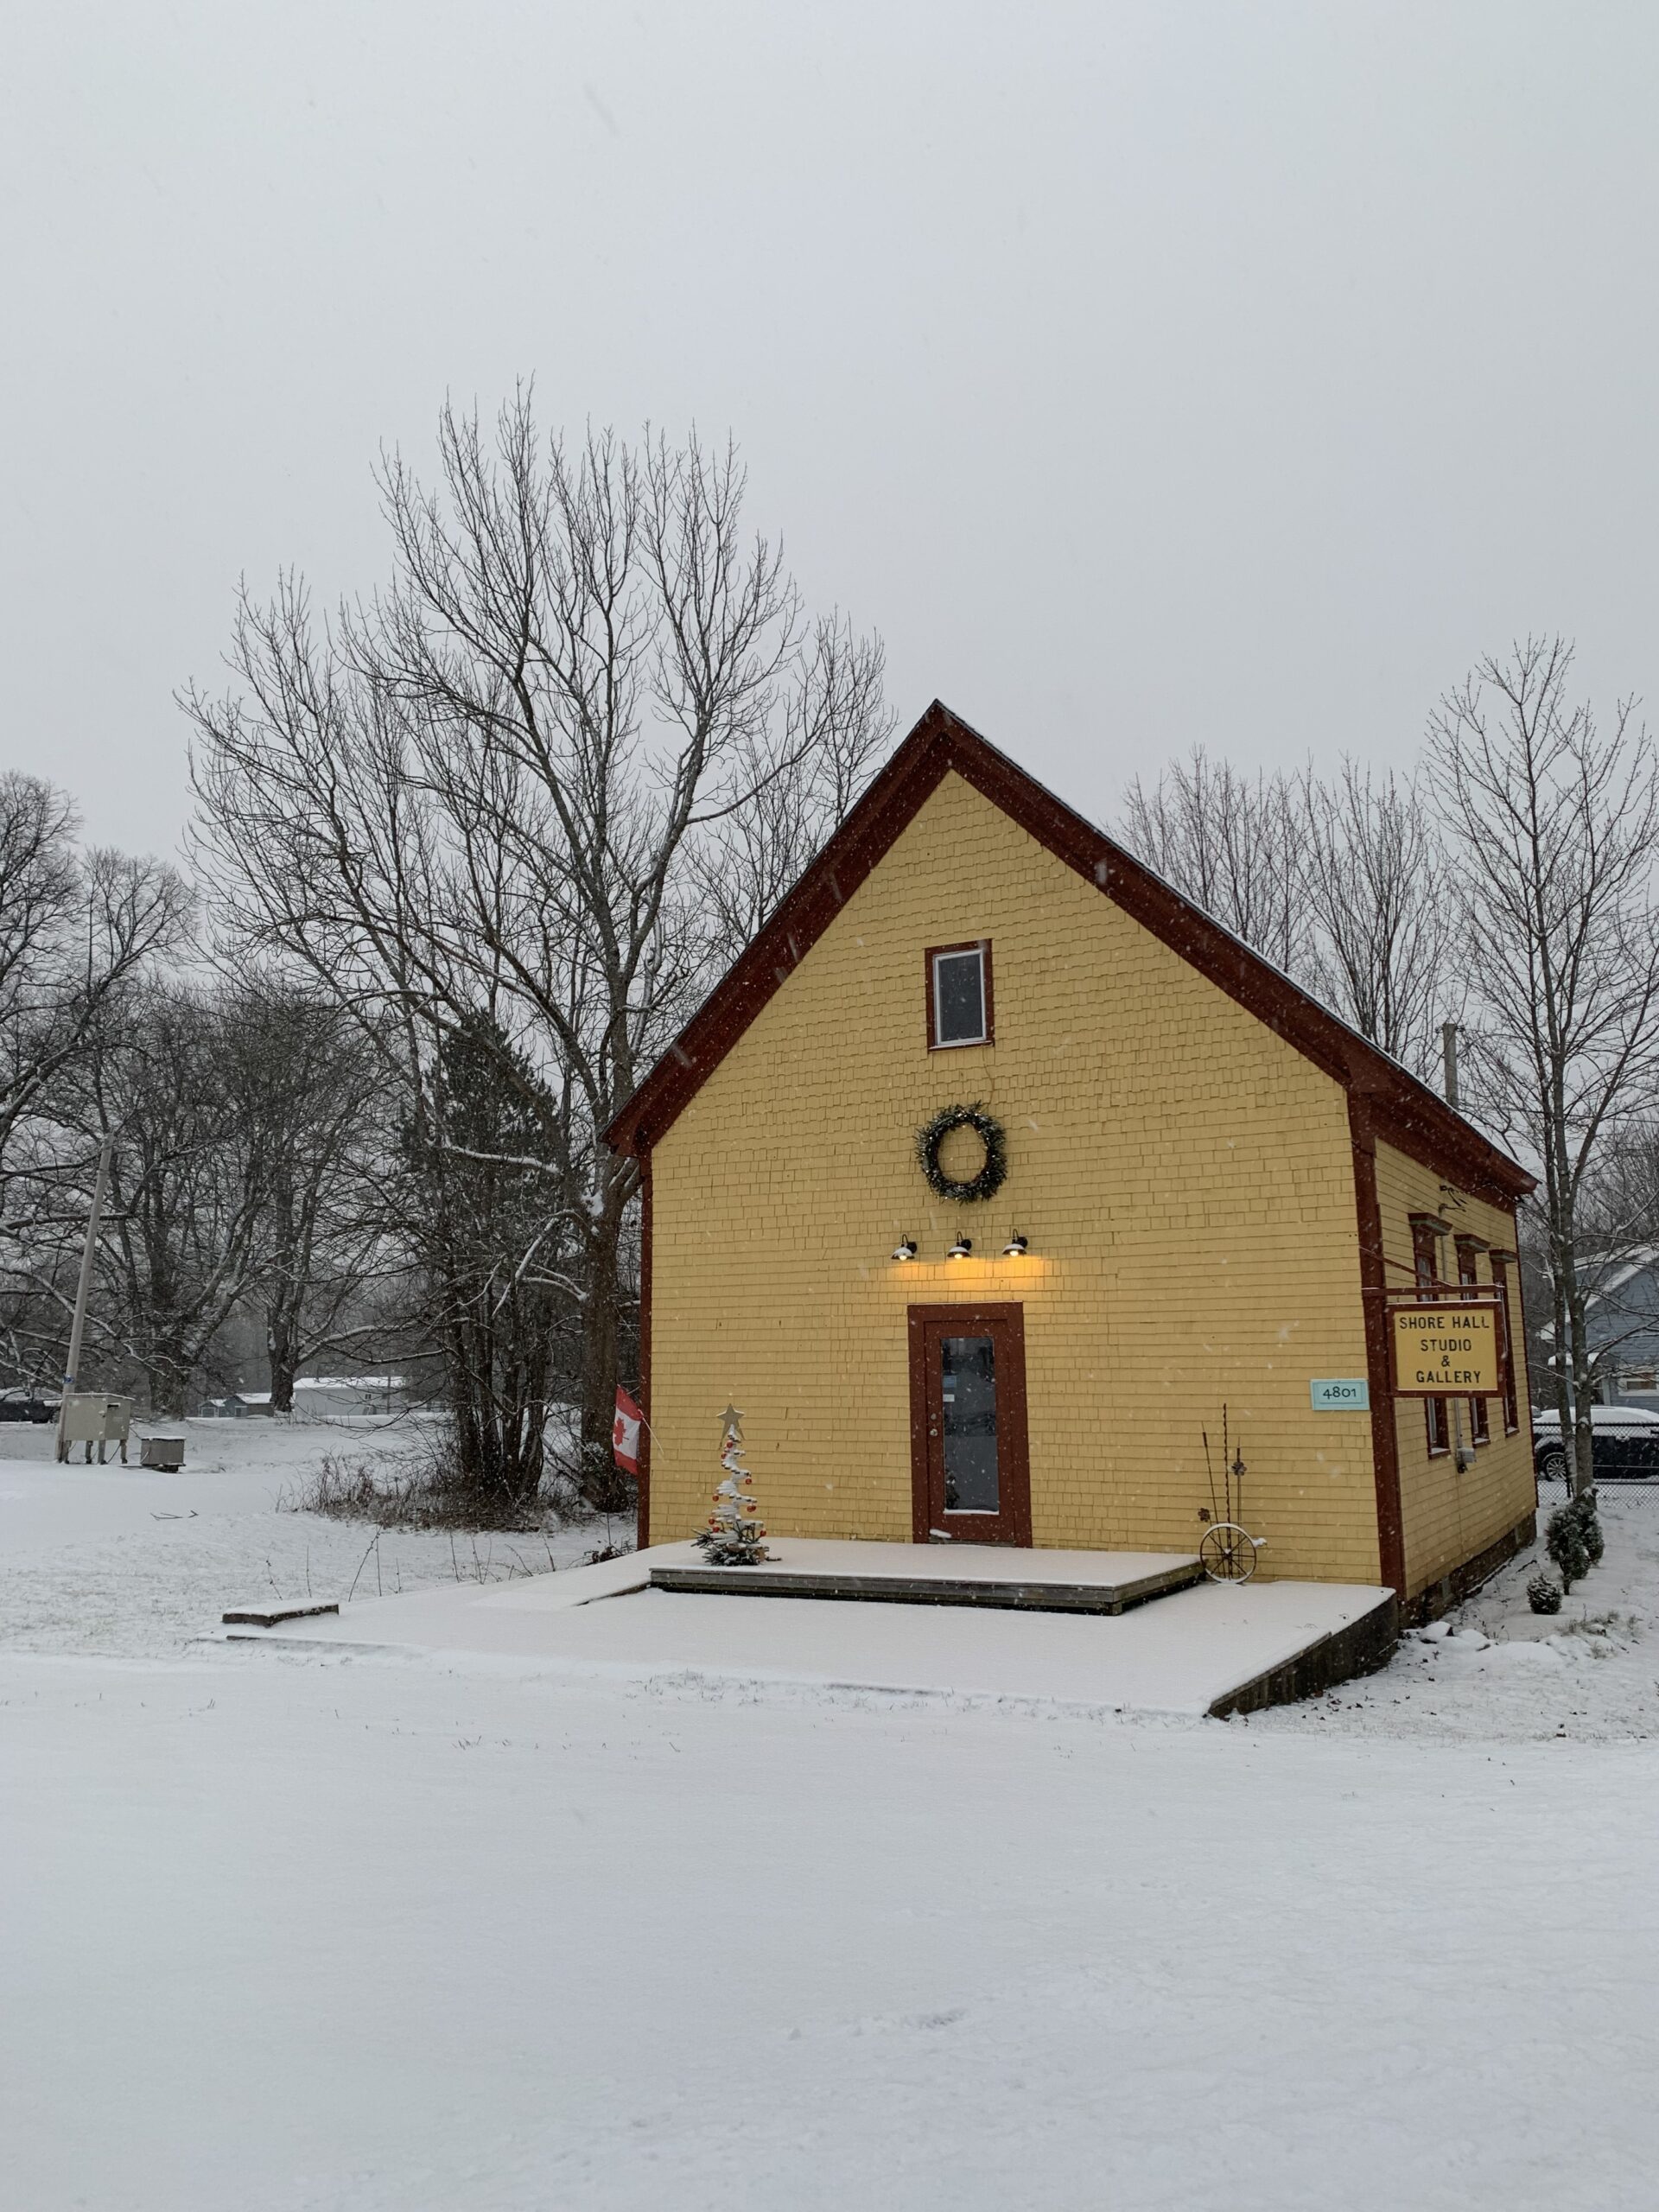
958,994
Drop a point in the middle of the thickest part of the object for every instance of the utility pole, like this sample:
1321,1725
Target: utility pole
83,1290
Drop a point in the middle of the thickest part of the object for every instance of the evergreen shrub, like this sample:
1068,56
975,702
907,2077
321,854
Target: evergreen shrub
1583,1506
1543,1595
1564,1541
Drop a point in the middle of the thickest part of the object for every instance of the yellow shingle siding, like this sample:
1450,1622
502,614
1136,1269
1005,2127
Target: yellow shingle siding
1450,1517
1184,1176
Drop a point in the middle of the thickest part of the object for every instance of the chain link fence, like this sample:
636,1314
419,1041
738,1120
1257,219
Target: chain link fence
1626,1454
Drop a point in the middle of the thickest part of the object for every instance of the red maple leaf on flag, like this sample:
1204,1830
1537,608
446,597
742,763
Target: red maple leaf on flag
625,1432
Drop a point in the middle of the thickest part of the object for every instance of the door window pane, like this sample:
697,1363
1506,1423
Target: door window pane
959,998
968,1379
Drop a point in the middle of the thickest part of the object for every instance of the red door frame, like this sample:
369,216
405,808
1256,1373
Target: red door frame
1006,1324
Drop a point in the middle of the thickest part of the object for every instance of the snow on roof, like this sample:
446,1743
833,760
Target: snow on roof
1635,1262
350,1382
1614,1417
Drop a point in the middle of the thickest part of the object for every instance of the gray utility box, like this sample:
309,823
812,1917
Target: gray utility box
92,1417
166,1453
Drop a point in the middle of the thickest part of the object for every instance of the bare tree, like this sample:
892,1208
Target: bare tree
1374,881
186,1185
752,857
1231,843
491,797
1619,1204
1554,820
309,1095
1338,883
75,929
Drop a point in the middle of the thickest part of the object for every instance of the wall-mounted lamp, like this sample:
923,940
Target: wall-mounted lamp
905,1248
962,1250
1014,1248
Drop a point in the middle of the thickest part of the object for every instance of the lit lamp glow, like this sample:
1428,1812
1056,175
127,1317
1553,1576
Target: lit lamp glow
905,1249
961,1249
1015,1248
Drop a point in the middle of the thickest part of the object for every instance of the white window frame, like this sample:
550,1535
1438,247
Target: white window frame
977,953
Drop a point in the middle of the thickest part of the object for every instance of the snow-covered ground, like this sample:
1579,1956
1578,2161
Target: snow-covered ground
1496,1672
314,1931
124,1559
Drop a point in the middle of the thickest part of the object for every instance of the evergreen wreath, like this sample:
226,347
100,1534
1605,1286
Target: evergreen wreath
990,1177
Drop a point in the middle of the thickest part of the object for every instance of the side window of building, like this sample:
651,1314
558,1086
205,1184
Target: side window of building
959,1006
1469,1272
1506,1345
1425,1247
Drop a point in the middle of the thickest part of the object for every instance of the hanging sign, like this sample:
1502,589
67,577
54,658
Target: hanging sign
1444,1349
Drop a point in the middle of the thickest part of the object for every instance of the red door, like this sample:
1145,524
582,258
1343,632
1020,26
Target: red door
970,1473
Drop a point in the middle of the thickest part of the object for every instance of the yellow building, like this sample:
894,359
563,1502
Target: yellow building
1210,1186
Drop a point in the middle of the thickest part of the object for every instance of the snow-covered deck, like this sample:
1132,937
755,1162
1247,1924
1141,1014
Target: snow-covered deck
1202,1648
940,1574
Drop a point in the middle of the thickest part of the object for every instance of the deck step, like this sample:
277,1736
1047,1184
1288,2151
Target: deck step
901,1582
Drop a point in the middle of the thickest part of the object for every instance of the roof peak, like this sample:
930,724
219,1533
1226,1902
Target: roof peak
941,742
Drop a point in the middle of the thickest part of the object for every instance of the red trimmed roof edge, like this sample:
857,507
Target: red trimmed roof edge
1404,1111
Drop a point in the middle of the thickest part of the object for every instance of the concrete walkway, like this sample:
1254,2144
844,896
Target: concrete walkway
1195,1651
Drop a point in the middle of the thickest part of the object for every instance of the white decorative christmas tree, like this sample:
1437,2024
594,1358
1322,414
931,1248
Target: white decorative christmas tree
735,1530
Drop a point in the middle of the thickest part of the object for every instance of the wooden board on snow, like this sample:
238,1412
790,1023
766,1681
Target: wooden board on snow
269,1616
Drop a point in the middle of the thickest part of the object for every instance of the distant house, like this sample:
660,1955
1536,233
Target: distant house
347,1395
321,1397
1621,1322
236,1405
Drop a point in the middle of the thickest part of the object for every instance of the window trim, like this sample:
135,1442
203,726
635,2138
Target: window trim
1469,1250
935,1043
1425,1231
1500,1263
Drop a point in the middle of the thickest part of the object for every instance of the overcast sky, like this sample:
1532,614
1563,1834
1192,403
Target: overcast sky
1146,374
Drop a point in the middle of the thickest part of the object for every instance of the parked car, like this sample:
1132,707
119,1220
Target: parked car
23,1405
1624,1446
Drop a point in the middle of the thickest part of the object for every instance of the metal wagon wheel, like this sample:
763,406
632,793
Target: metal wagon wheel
1227,1552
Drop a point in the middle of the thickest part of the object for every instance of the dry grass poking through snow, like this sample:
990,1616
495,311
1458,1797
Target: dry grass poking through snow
415,1482
405,1491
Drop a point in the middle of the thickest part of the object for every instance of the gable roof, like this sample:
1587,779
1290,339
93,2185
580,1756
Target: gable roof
1640,1260
1402,1110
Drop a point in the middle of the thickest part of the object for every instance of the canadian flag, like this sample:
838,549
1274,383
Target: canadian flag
625,1436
